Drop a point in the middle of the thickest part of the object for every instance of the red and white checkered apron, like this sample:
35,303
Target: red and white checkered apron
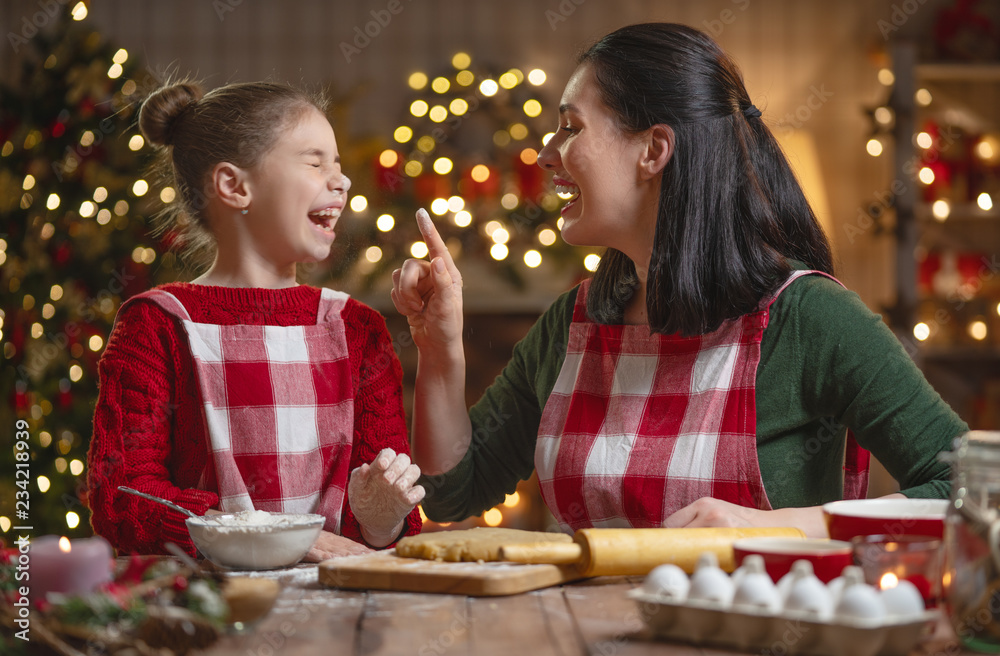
279,410
640,425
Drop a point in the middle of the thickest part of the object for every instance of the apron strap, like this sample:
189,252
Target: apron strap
167,301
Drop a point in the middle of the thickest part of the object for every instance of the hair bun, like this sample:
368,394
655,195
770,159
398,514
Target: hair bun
159,114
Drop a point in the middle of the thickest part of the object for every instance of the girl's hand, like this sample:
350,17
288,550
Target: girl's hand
429,294
382,494
330,545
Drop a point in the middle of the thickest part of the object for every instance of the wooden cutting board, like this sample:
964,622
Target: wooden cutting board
384,570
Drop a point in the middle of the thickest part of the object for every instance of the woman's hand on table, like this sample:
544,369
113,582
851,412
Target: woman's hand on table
330,545
707,512
429,294
382,494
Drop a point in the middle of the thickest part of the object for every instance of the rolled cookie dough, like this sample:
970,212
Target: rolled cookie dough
472,544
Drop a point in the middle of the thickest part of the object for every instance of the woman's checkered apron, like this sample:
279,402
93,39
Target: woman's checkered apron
279,410
640,425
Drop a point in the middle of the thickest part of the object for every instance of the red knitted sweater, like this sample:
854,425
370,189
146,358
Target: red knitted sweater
149,430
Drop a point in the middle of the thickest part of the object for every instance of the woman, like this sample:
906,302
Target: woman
708,373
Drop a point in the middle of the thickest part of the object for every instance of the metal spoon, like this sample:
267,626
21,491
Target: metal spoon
168,504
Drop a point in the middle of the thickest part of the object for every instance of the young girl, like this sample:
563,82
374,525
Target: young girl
710,370
243,389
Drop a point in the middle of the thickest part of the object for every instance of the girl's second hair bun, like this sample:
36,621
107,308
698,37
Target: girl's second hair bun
160,112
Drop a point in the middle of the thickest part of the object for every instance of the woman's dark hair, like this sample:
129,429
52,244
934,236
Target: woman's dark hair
237,123
731,212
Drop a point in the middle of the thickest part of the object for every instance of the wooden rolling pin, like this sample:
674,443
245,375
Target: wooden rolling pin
636,551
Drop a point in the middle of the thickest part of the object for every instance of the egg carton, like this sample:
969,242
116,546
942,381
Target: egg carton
701,623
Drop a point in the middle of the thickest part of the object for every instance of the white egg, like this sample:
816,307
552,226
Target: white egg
809,598
668,581
752,562
710,584
756,592
903,600
851,574
860,602
800,569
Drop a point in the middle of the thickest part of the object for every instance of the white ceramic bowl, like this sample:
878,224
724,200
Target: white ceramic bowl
235,541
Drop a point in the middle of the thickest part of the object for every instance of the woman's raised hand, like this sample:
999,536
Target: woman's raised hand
429,294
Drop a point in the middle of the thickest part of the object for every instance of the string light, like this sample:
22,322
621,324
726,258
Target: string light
426,144
402,134
924,140
591,261
480,173
978,330
493,517
385,222
500,236
140,187
438,113
43,483
28,183
75,373
388,158
926,175
465,78
488,87
440,85
508,80
167,194
461,60
923,97
417,81
501,138
443,165
439,206
456,203
532,258
76,467
115,71
532,108
921,331
359,203
509,201
72,521
418,108
458,107
985,201
547,237
87,209
120,57
536,77
518,131
79,11
499,252
413,168
52,202
136,142
883,115
95,343
419,250
100,195
511,500
463,219
886,77
373,254
874,147
529,156
940,209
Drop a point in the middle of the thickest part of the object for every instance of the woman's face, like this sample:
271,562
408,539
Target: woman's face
298,194
596,165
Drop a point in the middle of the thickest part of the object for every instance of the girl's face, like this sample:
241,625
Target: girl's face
297,194
595,163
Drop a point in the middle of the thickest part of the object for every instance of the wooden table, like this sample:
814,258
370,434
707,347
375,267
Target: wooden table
591,617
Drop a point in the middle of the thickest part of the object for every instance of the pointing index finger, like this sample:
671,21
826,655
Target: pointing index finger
435,245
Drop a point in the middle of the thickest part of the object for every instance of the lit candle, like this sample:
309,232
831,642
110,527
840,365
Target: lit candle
58,564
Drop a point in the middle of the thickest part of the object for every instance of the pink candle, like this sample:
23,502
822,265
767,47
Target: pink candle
58,564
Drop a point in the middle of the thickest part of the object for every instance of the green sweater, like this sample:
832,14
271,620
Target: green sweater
827,364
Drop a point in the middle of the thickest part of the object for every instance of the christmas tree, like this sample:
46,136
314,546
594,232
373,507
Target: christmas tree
75,242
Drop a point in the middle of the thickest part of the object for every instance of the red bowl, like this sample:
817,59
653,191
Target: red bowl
893,517
828,557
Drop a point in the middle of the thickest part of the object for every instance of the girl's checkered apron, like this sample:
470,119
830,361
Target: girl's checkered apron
640,425
279,410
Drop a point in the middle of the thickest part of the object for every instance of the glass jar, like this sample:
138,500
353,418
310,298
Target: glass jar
972,541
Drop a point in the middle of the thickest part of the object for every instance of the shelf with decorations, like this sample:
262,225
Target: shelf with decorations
941,120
